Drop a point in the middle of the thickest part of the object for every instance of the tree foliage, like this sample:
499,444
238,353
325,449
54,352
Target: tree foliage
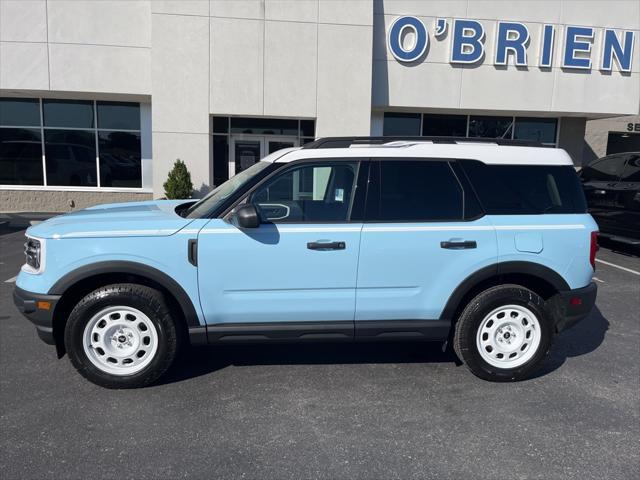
178,184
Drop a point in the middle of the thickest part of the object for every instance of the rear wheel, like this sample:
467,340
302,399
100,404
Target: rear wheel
504,333
121,336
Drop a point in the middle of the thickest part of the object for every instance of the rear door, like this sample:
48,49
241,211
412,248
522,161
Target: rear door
423,235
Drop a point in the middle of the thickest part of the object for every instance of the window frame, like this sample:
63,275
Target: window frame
144,166
356,208
374,185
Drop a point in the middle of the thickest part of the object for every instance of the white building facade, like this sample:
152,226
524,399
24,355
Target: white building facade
99,98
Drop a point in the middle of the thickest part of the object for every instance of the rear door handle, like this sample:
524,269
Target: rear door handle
326,245
459,245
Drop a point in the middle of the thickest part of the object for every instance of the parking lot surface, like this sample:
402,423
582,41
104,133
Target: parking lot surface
331,411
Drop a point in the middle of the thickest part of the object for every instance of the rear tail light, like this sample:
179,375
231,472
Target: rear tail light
593,248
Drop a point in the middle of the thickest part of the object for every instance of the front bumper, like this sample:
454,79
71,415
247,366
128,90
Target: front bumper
568,308
38,308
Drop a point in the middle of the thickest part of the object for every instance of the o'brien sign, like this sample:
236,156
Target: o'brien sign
512,38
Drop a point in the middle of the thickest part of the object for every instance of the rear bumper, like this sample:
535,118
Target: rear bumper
569,307
38,308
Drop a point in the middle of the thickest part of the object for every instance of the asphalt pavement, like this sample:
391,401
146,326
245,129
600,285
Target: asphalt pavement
372,411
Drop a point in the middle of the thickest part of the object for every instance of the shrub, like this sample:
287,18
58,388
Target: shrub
178,184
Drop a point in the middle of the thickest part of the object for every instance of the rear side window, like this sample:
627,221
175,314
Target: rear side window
414,191
526,189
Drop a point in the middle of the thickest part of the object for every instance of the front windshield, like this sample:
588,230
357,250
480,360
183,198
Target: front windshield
219,194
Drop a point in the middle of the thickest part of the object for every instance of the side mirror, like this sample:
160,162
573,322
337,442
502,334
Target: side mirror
247,216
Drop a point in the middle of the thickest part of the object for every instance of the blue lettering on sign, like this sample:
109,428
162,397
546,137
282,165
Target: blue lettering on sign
611,47
511,37
441,27
397,32
468,41
577,40
546,49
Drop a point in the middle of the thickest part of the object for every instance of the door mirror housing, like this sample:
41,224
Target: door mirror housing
246,216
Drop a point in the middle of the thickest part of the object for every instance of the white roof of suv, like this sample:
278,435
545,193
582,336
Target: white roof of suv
489,153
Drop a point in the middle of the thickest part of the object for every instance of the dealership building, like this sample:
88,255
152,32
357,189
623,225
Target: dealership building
99,98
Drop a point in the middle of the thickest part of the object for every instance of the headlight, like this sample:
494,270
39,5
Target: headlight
33,251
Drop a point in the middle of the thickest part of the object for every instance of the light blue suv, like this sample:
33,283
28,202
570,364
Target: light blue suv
484,245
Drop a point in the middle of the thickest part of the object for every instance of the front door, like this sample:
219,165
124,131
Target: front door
299,265
245,150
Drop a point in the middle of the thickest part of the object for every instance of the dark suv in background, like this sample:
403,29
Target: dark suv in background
612,187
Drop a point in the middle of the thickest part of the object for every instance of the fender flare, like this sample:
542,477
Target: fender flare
133,268
528,268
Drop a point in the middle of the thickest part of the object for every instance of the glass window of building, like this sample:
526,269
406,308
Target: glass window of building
67,148
434,125
20,112
541,130
398,124
68,113
490,127
20,156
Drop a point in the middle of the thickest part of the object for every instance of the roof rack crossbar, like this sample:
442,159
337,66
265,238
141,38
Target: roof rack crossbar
346,142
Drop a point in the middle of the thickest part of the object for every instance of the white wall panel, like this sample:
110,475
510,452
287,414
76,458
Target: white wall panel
180,80
233,9
434,85
22,21
102,22
344,80
349,12
181,7
292,10
290,69
91,68
23,66
237,66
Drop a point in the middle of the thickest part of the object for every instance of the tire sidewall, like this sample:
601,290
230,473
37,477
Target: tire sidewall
498,298
109,297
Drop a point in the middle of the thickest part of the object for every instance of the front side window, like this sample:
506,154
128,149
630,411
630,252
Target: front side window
415,191
607,169
309,193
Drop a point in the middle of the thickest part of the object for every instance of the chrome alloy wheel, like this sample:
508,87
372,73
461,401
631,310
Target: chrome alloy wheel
509,336
120,340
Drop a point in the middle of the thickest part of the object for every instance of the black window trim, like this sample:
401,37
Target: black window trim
361,185
374,186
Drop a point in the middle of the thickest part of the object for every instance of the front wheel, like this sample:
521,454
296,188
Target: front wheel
121,336
504,333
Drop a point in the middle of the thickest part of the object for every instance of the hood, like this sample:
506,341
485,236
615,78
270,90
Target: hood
134,219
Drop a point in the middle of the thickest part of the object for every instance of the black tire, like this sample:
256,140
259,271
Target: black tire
148,301
464,342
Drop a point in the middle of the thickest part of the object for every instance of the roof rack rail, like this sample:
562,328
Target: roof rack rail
346,142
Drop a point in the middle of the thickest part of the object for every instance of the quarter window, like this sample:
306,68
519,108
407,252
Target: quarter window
526,189
416,191
310,193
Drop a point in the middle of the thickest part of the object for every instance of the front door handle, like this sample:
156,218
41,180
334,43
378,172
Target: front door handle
459,245
326,245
